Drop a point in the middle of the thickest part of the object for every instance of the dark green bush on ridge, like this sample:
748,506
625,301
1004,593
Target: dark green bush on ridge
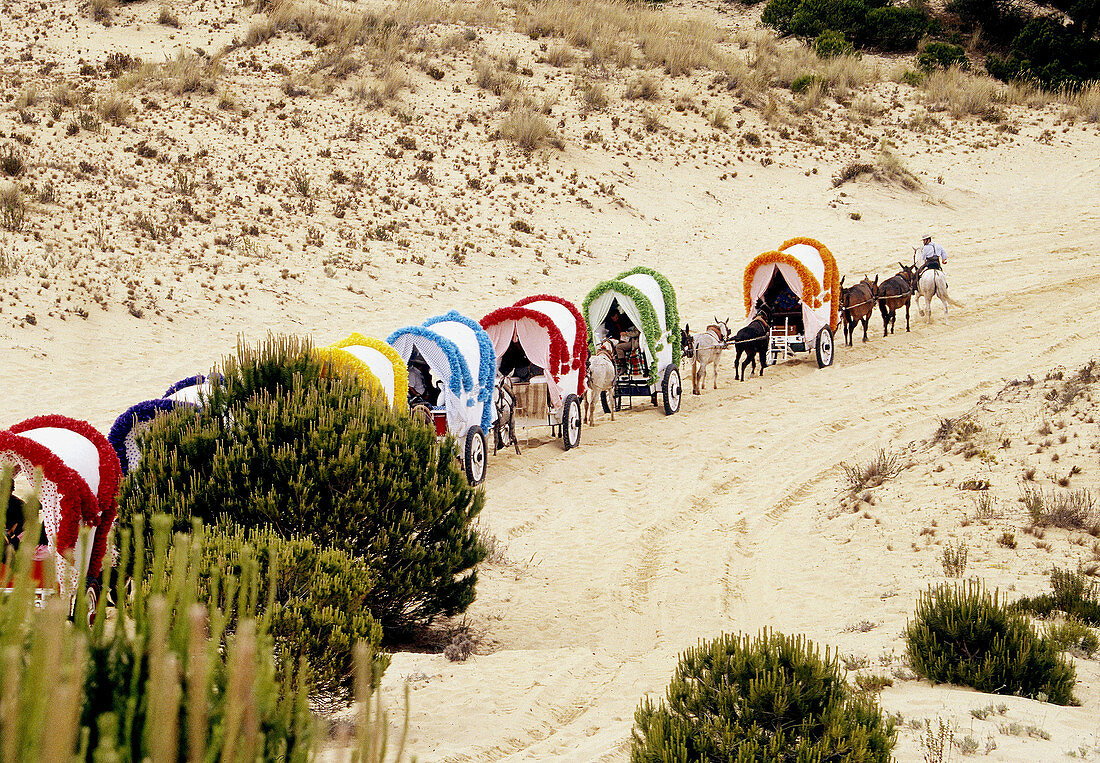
942,55
282,444
830,44
754,698
962,634
864,23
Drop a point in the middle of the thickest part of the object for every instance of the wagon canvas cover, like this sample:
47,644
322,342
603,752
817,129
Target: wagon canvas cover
810,271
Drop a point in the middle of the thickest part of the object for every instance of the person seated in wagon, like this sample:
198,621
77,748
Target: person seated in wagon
622,333
15,519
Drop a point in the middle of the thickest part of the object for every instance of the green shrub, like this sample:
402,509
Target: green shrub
777,14
319,612
830,44
962,634
281,443
1049,53
896,28
765,697
942,55
161,681
1072,636
802,83
816,16
1071,593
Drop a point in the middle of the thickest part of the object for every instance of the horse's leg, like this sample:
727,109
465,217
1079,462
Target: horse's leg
907,315
866,320
512,431
737,363
943,299
717,359
885,317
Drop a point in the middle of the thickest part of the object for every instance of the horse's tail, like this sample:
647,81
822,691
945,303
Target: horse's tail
942,288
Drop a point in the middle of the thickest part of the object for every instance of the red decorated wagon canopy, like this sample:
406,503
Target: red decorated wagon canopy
551,333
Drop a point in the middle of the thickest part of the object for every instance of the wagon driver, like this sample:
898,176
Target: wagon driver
931,257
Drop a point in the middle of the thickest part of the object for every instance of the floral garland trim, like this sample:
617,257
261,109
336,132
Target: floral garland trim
487,371
832,273
134,415
190,381
400,370
580,341
672,311
810,287
559,353
110,474
650,327
461,380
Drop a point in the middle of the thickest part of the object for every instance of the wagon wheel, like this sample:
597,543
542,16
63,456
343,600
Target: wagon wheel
609,396
422,412
475,455
571,422
825,347
671,389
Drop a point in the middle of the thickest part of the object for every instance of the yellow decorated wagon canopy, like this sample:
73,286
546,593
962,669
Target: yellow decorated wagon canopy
810,271
377,365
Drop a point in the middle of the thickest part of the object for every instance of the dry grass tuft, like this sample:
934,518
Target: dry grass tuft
560,55
527,129
101,10
872,473
168,17
114,108
644,87
593,96
13,208
1086,102
962,94
612,30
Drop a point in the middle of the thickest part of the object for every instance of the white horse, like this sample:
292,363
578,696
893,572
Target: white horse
932,283
600,377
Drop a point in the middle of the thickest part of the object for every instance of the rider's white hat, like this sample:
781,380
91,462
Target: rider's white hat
926,236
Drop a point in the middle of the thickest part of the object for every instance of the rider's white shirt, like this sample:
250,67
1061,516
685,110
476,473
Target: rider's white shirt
932,249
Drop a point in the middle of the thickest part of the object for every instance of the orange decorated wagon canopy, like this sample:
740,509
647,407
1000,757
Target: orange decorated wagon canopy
802,270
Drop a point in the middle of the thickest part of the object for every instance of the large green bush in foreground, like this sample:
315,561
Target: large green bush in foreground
286,444
962,634
318,610
760,698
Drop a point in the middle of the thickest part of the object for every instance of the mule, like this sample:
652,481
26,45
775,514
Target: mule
857,304
504,400
705,350
752,341
893,294
599,378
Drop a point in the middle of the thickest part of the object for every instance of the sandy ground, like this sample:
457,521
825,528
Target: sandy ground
659,531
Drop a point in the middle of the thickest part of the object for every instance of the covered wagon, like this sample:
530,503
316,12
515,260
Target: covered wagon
635,314
451,366
541,346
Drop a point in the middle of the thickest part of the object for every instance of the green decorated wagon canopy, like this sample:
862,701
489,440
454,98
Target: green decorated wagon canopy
647,298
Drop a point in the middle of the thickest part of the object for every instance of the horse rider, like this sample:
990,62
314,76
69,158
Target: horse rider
931,257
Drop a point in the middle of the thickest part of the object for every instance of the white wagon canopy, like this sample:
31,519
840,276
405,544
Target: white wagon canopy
800,284
542,341
451,366
642,302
